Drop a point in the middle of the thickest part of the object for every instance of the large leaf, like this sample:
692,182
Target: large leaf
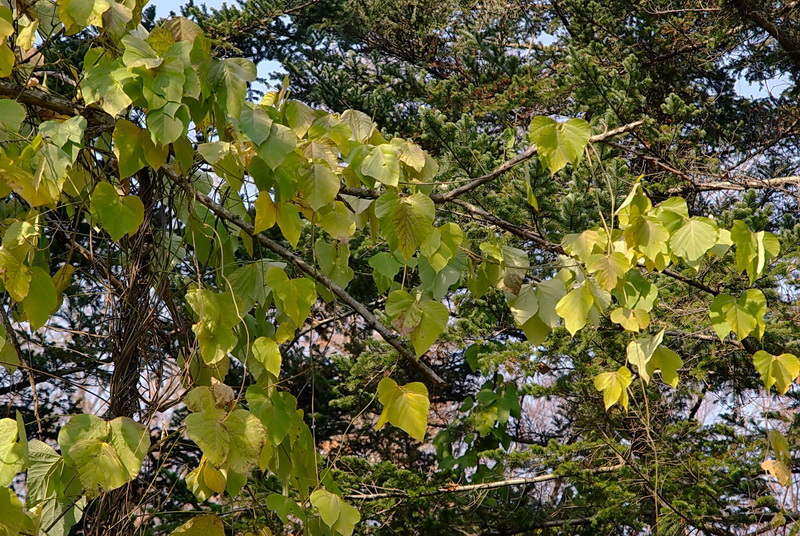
753,250
614,386
118,216
217,314
420,320
230,77
559,143
405,221
404,406
743,316
247,436
778,370
335,513
693,239
293,296
382,164
319,186
608,268
131,442
42,298
206,428
98,466
574,308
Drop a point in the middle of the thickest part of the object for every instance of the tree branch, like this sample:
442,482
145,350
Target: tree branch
522,157
788,40
482,486
98,120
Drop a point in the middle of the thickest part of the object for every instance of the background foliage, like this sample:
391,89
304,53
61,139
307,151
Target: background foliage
543,280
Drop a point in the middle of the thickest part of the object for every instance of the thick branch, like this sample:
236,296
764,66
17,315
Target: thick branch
98,120
481,486
788,40
373,321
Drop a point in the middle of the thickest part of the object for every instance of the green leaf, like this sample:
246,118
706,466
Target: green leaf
583,245
574,308
405,221
335,513
293,296
559,143
79,14
640,351
693,239
55,488
630,319
118,216
667,362
217,314
139,53
337,221
135,150
753,250
717,312
98,466
247,436
131,442
203,525
282,141
404,310
104,80
319,186
229,77
648,236
743,316
778,370
168,123
266,356
608,269
42,299
634,207
525,305
256,123
289,222
382,164
299,116
12,456
79,427
420,320
15,274
14,519
206,428
614,386
12,114
404,406
434,320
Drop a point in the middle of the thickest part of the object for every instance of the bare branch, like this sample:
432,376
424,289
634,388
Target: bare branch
482,486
